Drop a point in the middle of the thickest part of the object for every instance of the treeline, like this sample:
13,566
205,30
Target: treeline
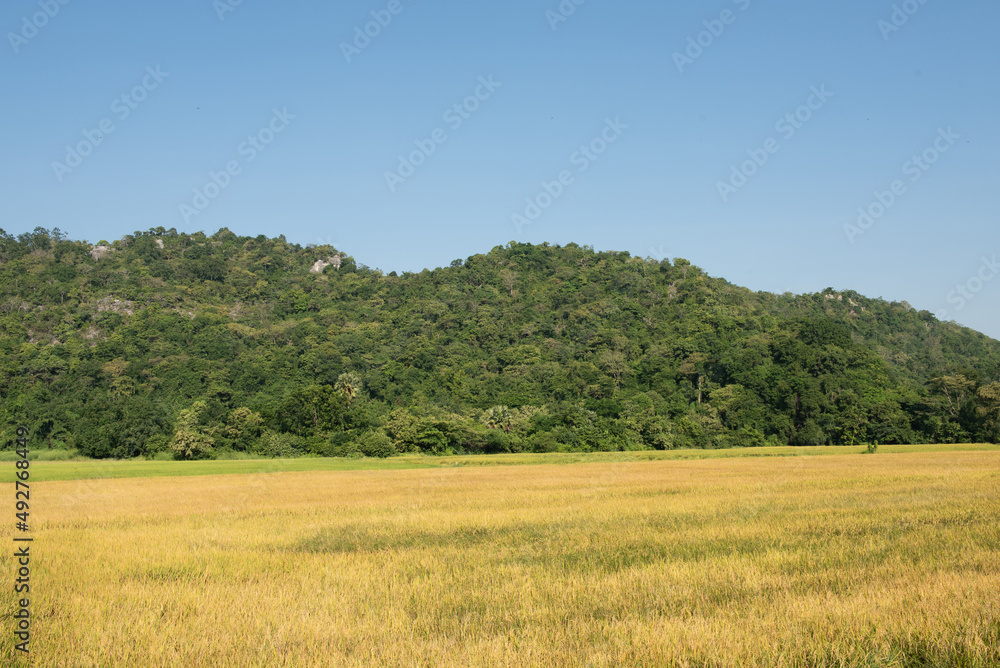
194,344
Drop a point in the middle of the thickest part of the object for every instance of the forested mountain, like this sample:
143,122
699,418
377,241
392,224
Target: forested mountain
197,344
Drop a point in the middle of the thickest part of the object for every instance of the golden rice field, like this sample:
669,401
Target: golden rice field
835,560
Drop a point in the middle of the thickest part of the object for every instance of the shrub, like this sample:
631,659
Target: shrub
377,444
274,444
336,444
545,441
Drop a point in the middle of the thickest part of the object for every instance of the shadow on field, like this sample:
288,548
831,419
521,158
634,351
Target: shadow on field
566,545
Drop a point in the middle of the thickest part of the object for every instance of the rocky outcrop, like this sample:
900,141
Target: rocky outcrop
116,305
320,265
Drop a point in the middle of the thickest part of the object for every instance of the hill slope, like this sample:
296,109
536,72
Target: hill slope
197,343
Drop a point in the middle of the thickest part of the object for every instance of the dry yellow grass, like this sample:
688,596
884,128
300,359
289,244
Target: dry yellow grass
843,560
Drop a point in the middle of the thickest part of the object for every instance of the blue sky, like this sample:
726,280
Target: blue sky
617,125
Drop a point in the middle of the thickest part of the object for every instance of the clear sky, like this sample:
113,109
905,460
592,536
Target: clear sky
742,135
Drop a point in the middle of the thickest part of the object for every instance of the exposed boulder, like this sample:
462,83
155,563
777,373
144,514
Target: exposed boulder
320,265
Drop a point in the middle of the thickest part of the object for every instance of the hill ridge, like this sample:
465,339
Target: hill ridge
197,344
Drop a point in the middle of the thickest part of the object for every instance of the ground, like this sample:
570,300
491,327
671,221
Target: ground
687,559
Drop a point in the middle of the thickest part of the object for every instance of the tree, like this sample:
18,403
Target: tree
988,409
192,440
615,365
313,410
956,391
121,385
509,281
694,366
497,417
403,428
349,385
243,427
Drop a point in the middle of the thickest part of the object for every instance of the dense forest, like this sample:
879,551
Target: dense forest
196,346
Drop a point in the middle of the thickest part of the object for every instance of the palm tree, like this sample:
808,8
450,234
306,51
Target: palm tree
497,417
349,384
